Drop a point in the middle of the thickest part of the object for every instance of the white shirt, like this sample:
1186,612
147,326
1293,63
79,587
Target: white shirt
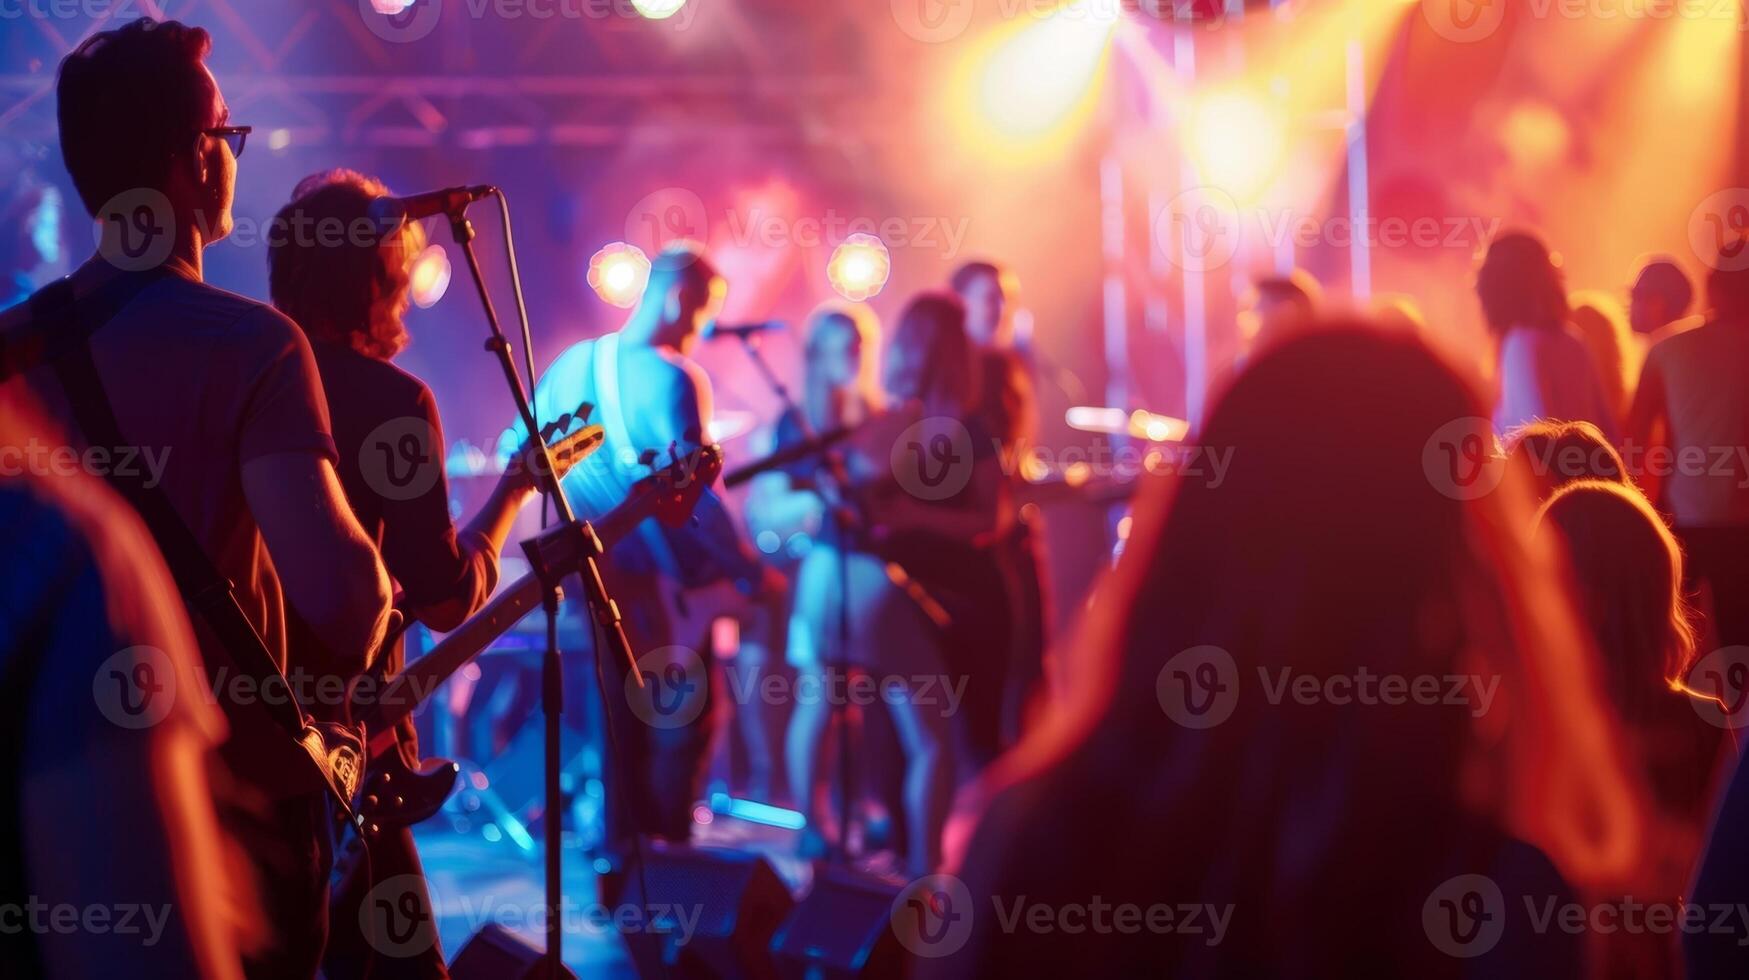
1549,374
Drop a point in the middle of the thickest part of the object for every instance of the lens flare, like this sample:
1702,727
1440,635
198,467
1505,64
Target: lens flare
429,276
618,273
859,267
658,9
1238,142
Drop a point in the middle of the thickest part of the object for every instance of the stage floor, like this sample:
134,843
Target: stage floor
475,882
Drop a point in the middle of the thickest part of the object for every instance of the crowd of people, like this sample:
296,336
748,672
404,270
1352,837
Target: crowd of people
1448,690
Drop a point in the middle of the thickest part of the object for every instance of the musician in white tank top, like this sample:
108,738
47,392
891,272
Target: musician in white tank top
651,400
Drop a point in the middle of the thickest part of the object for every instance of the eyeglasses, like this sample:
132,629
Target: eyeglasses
236,136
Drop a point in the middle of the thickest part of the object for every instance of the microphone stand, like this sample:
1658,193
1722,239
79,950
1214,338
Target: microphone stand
836,469
601,605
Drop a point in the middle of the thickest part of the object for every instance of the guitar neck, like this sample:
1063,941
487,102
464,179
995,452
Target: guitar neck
403,693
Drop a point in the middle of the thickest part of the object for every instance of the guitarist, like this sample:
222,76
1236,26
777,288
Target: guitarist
349,294
653,403
210,411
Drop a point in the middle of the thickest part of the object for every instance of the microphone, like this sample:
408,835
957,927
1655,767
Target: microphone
392,212
741,331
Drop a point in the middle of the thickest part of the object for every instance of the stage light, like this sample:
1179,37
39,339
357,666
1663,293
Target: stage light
1095,418
1157,428
658,9
1535,135
618,273
859,267
429,276
1237,141
390,8
1037,80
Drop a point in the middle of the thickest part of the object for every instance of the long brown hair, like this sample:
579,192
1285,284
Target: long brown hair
931,358
1327,548
336,271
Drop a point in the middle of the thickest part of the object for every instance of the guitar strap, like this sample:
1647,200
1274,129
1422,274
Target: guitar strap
604,365
336,751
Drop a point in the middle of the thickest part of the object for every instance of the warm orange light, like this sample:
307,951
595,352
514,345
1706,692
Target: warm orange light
1238,142
859,267
429,276
618,273
1028,85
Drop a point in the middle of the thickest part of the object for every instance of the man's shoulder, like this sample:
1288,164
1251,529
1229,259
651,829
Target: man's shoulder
1697,344
225,308
383,380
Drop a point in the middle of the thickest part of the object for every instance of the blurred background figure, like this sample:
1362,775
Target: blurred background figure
1545,370
32,250
1690,422
1278,307
1659,301
1601,323
848,615
946,540
1008,407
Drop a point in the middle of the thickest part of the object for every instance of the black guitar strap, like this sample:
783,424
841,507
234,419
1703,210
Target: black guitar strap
207,592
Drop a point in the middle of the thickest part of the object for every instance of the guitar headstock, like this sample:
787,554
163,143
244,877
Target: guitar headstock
566,448
678,486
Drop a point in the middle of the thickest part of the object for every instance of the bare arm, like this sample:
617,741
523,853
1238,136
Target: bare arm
1647,427
687,388
330,569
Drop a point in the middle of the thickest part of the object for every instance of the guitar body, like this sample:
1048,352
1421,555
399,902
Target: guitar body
394,796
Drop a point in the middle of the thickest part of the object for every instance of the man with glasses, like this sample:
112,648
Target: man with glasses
221,395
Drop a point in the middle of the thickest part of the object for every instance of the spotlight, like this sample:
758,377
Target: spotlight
658,9
429,276
1238,142
859,267
1038,81
618,272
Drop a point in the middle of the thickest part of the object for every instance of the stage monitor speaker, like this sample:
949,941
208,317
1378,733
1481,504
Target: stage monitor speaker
496,953
712,912
842,930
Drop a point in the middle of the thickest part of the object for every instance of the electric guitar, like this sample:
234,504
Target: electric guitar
396,795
